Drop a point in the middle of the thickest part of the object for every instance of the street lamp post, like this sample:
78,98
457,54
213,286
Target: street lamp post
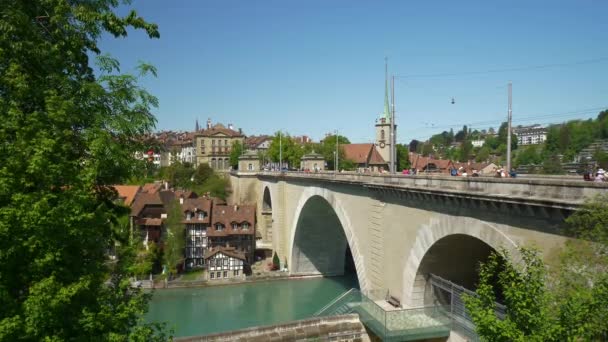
280,152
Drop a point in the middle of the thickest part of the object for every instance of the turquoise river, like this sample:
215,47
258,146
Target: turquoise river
206,310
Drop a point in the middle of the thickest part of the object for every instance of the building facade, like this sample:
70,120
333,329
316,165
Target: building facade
224,263
234,226
530,135
214,144
196,220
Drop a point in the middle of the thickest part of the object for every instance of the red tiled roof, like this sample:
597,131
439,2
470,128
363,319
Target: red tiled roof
227,214
363,154
152,187
194,205
229,251
420,163
142,200
255,141
127,193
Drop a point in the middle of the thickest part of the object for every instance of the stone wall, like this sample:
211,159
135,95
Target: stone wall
346,328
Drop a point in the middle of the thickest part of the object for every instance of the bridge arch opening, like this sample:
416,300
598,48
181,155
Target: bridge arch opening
320,245
455,258
266,200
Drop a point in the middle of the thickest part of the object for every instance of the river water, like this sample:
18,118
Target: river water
206,310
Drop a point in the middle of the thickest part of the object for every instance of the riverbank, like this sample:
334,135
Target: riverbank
176,284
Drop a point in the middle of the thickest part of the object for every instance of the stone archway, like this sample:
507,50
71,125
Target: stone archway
448,229
320,233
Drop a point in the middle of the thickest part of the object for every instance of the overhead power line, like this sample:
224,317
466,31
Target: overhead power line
521,68
518,119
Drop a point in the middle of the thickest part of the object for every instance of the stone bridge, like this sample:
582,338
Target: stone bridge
399,229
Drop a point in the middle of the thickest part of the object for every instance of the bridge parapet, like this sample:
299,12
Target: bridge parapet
560,193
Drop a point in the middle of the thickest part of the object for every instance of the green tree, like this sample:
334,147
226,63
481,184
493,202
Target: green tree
66,134
284,145
466,149
403,157
552,165
236,151
483,154
174,239
276,262
202,173
527,156
568,303
528,317
327,148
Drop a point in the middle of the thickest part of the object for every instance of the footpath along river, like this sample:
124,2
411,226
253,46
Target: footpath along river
206,310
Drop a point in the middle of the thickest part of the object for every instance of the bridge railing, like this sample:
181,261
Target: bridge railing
564,190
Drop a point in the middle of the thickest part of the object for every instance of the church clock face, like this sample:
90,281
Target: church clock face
382,145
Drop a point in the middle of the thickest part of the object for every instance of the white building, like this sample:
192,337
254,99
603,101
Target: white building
530,135
478,143
224,263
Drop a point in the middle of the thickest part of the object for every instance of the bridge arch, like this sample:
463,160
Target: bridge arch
320,234
458,242
266,199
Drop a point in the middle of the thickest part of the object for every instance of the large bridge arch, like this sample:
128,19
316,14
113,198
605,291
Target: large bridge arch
482,237
320,249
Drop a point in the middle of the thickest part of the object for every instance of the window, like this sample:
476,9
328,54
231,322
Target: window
201,215
226,142
219,143
250,167
245,225
212,142
212,274
235,226
219,274
226,262
188,215
236,273
382,135
225,274
219,227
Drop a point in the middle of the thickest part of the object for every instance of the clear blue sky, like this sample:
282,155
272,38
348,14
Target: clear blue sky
310,67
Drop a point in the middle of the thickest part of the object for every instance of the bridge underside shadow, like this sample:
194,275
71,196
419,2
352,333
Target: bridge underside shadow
456,258
320,245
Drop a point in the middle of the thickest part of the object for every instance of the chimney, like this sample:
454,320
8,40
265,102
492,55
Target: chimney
236,207
209,123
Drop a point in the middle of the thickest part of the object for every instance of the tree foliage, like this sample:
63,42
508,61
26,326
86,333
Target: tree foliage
174,239
568,303
65,134
283,145
327,148
236,151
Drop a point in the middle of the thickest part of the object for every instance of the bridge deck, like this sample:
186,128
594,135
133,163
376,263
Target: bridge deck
566,193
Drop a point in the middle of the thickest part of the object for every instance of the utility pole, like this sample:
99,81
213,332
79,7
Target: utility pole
280,152
393,127
509,132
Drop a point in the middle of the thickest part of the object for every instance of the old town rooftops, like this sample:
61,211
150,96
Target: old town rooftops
362,154
219,129
127,193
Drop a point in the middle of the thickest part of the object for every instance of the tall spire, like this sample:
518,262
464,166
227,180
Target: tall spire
387,113
196,127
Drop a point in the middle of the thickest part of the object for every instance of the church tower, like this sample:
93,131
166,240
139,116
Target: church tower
383,124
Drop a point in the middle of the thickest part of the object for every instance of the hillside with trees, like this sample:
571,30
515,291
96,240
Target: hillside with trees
563,144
